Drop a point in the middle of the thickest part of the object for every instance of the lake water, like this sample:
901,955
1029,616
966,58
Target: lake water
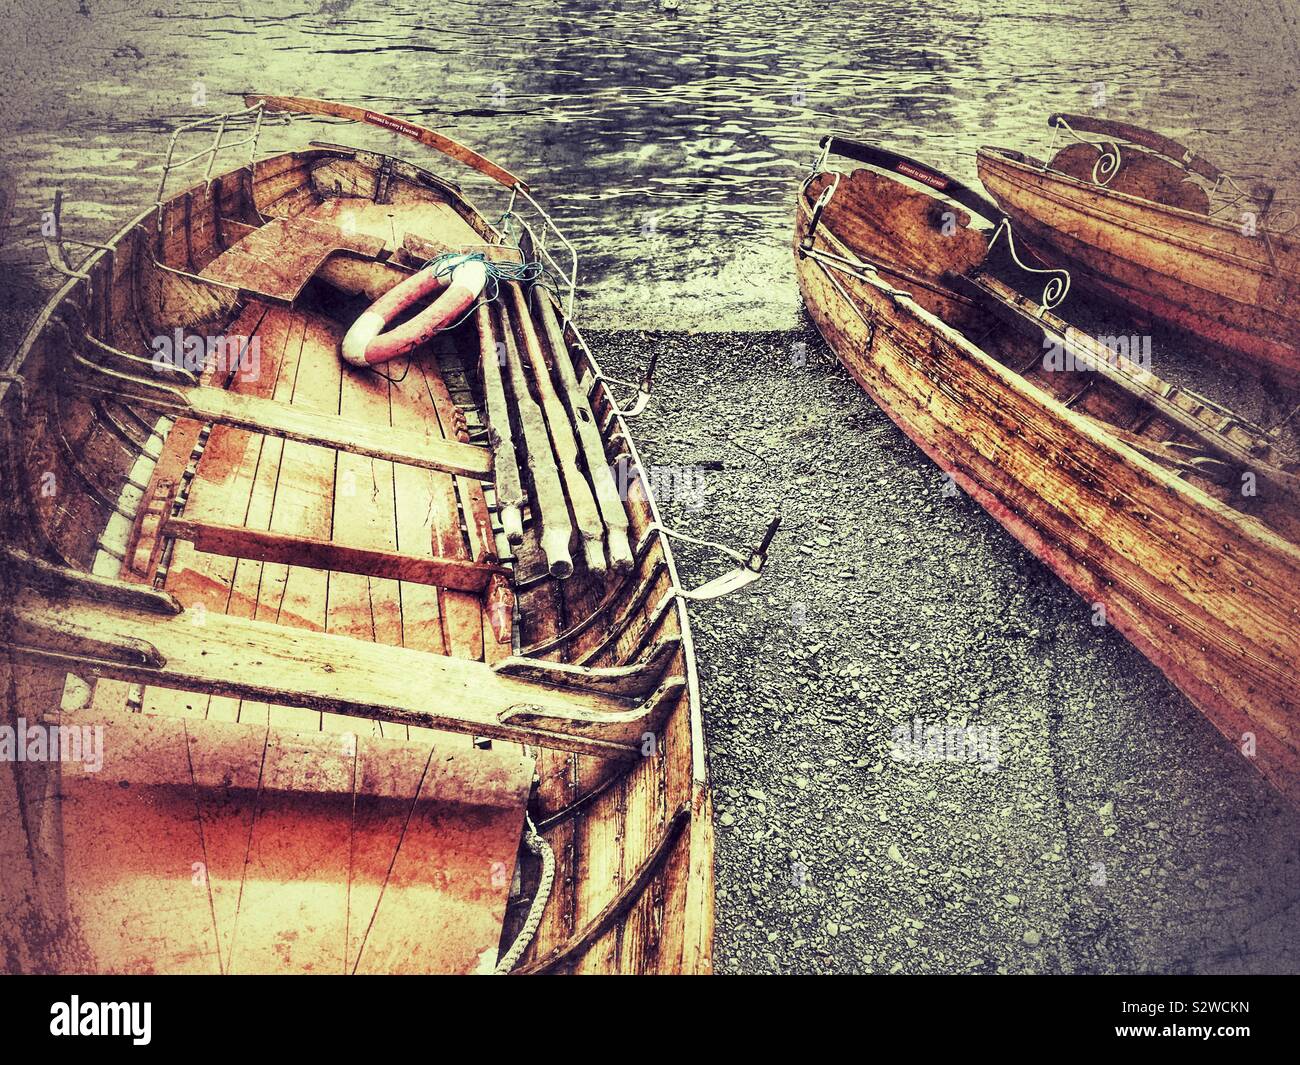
667,144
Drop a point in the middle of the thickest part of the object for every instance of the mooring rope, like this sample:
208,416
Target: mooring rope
538,845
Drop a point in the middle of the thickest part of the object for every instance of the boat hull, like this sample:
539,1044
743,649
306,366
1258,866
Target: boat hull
1204,277
114,876
1209,596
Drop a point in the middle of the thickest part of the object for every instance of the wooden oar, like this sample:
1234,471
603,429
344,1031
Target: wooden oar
548,493
505,461
593,451
303,105
585,512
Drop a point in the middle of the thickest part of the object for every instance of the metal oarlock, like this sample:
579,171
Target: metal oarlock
643,388
750,569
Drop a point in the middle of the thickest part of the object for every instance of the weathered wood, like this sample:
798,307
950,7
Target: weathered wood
429,138
1218,280
317,871
263,546
590,528
510,490
277,260
298,485
1140,384
255,660
612,511
551,508
273,418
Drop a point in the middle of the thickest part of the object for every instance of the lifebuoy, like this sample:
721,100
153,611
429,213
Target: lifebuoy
463,278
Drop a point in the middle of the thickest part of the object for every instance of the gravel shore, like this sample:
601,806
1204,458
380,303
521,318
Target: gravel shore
1115,831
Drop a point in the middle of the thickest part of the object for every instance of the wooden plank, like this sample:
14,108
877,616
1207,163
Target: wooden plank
564,445
550,508
593,448
196,580
322,672
379,441
277,260
361,605
474,858
509,486
461,613
304,500
236,541
429,138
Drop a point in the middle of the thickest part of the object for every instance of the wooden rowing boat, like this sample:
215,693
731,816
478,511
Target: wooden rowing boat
346,725
1175,518
1141,219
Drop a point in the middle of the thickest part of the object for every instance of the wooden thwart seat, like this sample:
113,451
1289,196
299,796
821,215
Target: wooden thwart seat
262,545
281,824
144,638
276,260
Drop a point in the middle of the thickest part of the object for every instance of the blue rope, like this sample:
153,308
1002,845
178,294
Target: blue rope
445,264
527,272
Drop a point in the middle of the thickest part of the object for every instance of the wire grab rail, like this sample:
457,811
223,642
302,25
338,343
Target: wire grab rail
258,111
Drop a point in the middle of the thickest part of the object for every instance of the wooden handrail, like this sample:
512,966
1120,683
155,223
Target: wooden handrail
302,105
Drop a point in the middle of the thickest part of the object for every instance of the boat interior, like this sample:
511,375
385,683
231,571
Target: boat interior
966,270
349,725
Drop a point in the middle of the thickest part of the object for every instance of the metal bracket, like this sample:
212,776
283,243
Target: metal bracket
1055,290
1108,162
750,568
643,388
54,243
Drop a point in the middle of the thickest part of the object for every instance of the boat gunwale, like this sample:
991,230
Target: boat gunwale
998,156
1245,523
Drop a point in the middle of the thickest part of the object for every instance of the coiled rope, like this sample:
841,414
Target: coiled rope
534,842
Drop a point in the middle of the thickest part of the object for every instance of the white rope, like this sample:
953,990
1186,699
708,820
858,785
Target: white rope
535,843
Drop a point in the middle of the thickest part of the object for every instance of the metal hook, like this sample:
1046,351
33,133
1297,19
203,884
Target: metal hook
643,388
750,569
